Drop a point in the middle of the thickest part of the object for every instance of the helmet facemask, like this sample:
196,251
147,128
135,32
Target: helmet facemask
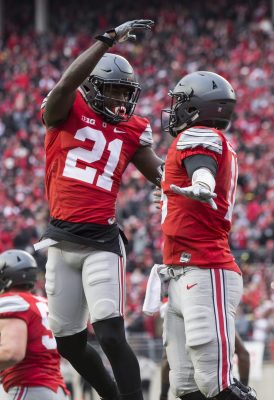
180,114
26,280
114,99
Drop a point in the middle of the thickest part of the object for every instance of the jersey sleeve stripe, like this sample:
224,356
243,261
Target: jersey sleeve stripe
208,145
201,134
13,304
201,130
206,138
146,136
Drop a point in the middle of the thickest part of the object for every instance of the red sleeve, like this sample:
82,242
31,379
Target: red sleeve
198,150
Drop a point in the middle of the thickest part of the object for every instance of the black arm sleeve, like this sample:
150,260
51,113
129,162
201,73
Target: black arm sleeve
200,161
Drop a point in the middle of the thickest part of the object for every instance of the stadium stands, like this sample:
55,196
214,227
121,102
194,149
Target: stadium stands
235,40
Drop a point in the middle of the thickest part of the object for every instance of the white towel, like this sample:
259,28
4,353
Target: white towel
152,300
44,243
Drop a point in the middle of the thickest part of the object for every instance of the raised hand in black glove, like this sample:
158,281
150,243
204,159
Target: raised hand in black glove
124,32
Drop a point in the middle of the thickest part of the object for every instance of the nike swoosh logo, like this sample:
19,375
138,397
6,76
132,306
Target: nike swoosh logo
116,130
191,286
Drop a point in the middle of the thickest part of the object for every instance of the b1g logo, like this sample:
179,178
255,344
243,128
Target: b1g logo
89,121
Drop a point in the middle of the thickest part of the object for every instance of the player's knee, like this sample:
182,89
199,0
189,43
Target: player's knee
103,309
61,327
71,346
237,391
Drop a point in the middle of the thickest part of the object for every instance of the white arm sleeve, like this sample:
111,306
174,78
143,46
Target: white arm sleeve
204,177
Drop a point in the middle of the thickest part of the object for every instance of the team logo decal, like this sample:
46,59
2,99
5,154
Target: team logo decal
89,121
185,257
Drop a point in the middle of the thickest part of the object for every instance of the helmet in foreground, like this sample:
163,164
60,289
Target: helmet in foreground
17,268
200,98
112,89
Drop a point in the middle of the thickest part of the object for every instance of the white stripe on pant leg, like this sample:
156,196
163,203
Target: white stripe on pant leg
15,394
229,364
217,326
225,325
14,398
121,285
21,393
122,266
219,300
25,394
221,327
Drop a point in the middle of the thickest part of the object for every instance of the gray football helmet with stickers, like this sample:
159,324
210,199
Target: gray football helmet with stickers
17,268
200,98
111,73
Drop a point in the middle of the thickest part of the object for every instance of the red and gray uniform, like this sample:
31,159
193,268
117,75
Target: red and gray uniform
85,160
41,366
184,219
196,247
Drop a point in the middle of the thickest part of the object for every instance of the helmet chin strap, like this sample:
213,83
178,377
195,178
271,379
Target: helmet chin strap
192,118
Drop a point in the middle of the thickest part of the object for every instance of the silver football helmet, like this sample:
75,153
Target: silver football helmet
111,89
200,98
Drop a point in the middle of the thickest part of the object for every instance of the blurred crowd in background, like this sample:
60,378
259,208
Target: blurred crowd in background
234,39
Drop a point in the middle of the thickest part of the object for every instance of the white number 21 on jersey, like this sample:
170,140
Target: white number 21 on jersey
88,174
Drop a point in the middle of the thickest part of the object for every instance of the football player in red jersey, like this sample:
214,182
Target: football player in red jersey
29,361
198,193
92,135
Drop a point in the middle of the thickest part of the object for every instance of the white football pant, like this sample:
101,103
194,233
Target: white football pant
199,329
81,280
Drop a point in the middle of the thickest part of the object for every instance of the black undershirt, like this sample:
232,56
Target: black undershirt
197,161
101,237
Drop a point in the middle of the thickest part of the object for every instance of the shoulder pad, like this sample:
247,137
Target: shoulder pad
203,137
13,304
146,136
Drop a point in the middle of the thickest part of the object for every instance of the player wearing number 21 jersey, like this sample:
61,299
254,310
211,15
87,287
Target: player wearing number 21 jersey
92,134
85,160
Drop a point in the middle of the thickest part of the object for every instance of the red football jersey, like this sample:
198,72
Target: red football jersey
85,161
194,233
41,365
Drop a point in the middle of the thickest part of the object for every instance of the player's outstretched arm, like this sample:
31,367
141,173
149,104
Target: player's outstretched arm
202,188
13,333
60,99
